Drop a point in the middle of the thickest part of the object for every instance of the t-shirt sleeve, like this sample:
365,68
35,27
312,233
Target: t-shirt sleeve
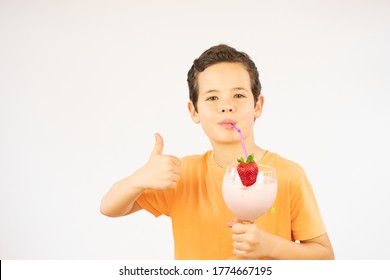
306,220
157,202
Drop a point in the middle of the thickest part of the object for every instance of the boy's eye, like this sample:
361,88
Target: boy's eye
239,95
211,98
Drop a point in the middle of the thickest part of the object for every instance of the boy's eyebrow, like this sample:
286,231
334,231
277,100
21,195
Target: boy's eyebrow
240,88
210,91
215,90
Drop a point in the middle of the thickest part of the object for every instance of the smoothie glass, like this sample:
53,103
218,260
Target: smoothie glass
249,203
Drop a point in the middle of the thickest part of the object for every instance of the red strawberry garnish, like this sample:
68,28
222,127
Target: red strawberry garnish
247,170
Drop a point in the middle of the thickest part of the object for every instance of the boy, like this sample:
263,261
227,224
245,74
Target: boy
224,89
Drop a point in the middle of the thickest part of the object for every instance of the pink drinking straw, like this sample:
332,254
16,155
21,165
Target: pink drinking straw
242,139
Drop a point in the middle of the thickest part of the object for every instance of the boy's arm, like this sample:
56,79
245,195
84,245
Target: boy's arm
318,248
121,198
252,242
160,172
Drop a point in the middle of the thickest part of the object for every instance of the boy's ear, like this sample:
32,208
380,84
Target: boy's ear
259,106
194,114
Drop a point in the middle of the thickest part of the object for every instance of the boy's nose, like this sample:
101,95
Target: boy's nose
227,108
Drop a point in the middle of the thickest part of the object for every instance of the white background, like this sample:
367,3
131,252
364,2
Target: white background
85,84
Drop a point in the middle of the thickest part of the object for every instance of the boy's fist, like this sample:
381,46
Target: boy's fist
161,171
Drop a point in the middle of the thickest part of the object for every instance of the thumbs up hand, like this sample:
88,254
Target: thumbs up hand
161,171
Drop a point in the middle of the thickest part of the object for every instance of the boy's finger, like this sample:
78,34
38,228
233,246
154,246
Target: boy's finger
239,228
158,146
231,223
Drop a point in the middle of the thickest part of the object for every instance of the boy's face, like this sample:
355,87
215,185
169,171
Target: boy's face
225,97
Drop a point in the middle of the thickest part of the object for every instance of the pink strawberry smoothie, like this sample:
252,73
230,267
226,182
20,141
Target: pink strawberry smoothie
248,203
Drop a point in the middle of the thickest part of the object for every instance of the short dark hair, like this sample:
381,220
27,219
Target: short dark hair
217,54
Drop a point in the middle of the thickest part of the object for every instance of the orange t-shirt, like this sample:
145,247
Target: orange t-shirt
199,214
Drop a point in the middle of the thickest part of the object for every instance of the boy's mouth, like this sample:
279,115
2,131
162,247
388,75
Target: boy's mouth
227,123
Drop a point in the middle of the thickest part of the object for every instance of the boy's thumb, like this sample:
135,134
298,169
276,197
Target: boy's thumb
159,145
